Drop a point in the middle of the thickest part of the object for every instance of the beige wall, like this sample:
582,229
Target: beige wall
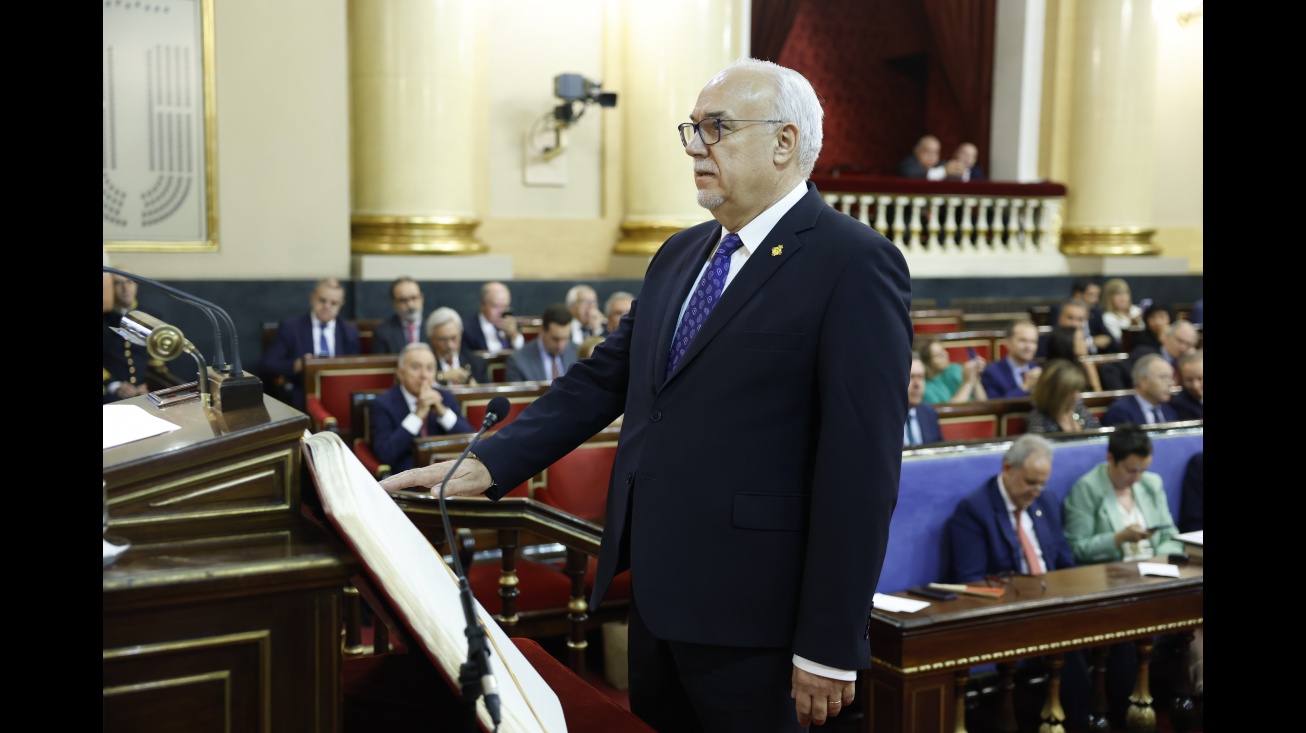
283,140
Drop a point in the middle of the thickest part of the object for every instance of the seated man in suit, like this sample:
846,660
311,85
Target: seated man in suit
1150,403
546,357
1177,339
126,365
617,306
1190,500
925,155
1016,375
1009,527
494,327
405,325
1078,313
922,424
960,167
1188,402
586,318
454,362
320,332
413,407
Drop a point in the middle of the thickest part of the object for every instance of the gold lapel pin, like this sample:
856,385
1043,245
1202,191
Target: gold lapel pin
1038,512
776,250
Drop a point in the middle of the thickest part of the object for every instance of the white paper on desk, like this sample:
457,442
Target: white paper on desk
1158,568
895,604
128,423
1194,538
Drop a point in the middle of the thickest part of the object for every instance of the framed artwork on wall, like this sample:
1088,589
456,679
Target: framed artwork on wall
159,152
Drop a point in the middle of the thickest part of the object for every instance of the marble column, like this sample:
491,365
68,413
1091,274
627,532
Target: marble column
1109,208
662,80
414,78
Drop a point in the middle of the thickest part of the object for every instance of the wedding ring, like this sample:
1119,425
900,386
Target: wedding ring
834,702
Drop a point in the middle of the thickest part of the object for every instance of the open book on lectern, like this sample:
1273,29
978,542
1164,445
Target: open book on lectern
422,589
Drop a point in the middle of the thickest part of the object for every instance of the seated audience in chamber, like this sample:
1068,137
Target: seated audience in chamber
1187,402
412,408
922,424
1118,309
924,156
1150,403
1015,375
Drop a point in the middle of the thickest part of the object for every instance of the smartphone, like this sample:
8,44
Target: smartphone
507,311
1145,303
928,592
1156,527
972,353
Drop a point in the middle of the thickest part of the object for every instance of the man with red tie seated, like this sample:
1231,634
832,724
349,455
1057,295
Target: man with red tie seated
1150,403
1016,375
412,408
1009,527
922,424
320,332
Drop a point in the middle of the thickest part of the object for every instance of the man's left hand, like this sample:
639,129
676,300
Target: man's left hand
818,698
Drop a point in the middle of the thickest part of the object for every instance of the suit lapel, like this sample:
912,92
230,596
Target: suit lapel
1004,526
784,242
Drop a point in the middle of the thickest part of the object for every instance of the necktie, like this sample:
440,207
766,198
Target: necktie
1031,555
323,348
412,333
916,437
705,297
556,367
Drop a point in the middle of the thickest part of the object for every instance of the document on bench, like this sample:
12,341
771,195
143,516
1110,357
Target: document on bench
1158,568
896,604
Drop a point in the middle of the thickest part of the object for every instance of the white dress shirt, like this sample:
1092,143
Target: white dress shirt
1026,524
413,424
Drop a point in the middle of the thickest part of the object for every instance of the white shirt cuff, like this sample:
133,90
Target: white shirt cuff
448,419
808,665
412,423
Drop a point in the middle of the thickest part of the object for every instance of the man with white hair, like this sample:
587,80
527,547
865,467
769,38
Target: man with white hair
454,363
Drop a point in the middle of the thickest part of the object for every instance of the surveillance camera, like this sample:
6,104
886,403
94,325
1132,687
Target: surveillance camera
576,88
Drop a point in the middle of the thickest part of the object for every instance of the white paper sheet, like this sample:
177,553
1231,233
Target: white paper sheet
1158,568
896,604
127,423
1194,538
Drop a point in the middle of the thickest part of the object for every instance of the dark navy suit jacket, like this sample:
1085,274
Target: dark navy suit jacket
928,418
391,442
473,338
391,335
1186,406
1126,409
999,383
982,541
294,339
775,446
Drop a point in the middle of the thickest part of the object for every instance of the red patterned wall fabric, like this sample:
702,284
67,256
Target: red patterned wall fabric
877,68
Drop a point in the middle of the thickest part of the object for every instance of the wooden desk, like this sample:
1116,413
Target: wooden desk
233,633
225,613
918,657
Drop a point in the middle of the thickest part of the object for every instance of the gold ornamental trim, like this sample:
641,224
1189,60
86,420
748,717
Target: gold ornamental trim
1102,241
1041,649
645,237
415,235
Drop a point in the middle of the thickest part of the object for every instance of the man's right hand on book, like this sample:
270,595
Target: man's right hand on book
472,478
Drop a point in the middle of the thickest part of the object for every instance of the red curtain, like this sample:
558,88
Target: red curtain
772,21
963,38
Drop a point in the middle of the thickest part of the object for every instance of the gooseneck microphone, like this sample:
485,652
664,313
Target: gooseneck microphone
475,677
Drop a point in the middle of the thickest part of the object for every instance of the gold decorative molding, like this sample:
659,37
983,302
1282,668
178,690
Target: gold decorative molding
1041,649
645,237
415,235
1102,241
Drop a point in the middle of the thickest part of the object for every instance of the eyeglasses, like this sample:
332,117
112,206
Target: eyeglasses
709,129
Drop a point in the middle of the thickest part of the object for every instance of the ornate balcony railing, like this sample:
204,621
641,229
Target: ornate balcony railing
950,217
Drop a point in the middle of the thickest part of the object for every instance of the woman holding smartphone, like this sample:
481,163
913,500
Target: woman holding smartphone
948,382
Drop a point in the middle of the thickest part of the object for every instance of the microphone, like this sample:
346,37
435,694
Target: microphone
475,677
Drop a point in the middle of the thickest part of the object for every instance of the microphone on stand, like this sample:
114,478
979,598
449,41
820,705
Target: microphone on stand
475,678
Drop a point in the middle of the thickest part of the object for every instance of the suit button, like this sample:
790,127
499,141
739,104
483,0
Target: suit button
655,415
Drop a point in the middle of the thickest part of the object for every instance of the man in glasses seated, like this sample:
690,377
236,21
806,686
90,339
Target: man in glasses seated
1008,527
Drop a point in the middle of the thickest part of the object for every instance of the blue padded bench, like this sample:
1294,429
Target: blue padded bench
934,480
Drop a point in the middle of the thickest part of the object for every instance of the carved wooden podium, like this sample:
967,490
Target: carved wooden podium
225,612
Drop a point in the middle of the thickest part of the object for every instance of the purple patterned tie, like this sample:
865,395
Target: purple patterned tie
704,299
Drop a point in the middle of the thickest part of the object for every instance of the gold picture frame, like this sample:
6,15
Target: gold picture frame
159,127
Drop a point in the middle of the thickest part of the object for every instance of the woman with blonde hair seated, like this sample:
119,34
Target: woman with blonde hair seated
1057,403
1118,309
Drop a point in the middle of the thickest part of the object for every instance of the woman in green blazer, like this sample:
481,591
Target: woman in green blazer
1118,510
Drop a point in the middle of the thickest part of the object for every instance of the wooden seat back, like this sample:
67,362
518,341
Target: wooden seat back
578,482
941,320
328,382
958,343
475,398
360,421
495,363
